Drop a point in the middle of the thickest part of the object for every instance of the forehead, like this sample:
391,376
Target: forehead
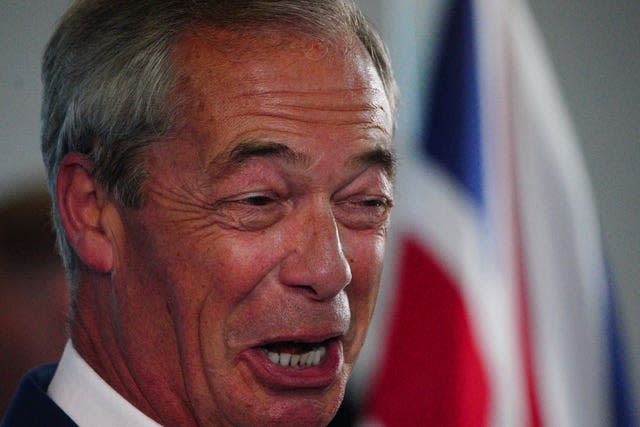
233,65
281,86
256,50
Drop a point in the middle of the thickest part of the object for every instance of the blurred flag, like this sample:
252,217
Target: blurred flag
503,313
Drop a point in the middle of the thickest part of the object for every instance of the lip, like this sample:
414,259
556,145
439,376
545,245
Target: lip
279,377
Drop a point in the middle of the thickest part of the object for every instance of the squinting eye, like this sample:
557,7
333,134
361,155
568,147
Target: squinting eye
258,200
253,211
375,203
364,212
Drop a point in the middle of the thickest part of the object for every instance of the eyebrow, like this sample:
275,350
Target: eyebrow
247,150
241,153
244,151
376,156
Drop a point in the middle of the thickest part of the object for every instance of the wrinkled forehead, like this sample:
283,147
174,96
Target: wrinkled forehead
282,85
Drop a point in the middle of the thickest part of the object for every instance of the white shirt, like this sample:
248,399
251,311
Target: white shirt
87,399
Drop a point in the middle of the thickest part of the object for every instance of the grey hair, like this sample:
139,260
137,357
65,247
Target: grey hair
108,76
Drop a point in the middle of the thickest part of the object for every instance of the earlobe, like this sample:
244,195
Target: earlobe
81,203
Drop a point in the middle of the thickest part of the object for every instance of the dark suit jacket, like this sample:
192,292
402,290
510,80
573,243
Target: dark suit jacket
31,407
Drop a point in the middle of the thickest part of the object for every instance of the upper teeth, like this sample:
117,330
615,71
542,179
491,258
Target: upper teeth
311,358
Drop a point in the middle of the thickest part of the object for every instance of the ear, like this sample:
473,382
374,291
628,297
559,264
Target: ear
81,203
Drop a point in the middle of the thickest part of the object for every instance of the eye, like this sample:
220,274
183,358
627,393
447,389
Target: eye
254,211
364,211
258,200
376,203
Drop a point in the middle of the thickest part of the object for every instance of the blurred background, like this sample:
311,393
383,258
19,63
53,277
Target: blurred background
594,46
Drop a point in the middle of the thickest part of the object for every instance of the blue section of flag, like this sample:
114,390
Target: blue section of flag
453,137
622,397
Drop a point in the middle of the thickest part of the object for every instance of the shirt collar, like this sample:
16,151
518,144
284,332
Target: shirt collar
87,399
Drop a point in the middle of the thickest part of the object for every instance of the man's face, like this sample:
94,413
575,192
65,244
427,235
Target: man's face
246,284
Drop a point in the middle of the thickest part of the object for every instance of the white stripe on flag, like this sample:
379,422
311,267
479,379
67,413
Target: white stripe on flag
567,281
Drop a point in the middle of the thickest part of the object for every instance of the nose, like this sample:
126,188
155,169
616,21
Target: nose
316,261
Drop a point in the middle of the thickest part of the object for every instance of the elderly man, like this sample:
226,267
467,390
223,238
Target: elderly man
221,175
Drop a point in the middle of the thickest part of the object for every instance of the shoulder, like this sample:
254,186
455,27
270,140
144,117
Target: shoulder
31,406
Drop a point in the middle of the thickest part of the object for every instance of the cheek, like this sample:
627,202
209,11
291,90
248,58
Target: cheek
365,256
366,266
213,286
234,266
233,271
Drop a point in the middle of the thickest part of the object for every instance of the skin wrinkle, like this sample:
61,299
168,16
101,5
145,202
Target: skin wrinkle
198,221
295,316
136,383
121,375
202,214
309,98
293,118
292,111
134,386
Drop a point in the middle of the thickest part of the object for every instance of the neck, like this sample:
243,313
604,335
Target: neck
94,336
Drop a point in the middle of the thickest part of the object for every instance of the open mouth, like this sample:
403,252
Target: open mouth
296,355
296,364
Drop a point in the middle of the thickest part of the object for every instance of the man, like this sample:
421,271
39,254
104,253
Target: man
221,175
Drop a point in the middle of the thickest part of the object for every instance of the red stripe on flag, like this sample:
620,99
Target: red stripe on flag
534,414
535,418
431,372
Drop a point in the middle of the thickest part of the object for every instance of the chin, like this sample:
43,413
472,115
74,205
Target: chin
304,411
293,408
